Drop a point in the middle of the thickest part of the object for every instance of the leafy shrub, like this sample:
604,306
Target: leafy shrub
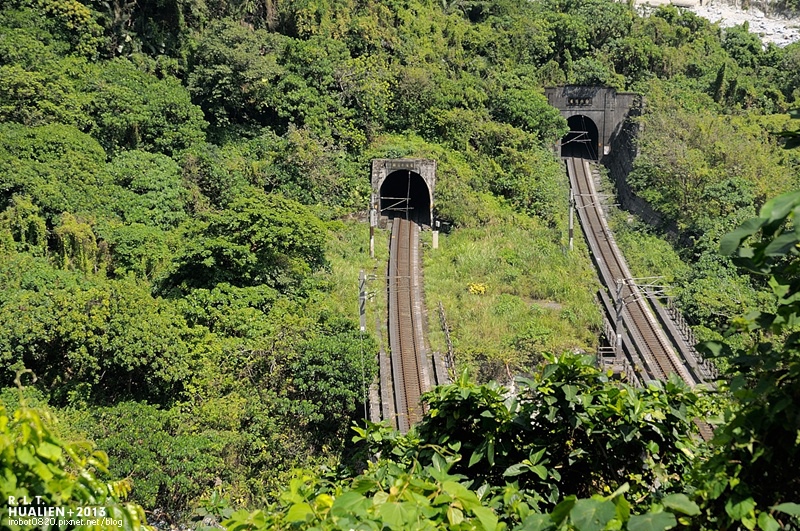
168,466
525,452
109,339
153,193
134,109
260,239
40,468
58,167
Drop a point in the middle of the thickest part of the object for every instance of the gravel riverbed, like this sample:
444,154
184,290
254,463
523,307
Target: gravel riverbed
778,30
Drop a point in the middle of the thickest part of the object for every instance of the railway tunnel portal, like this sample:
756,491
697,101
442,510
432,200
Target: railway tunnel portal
595,115
403,191
582,140
404,188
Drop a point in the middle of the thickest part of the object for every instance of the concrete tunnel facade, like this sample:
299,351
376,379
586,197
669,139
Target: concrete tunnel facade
595,116
404,188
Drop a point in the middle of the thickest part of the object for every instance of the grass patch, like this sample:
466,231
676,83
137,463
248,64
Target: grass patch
510,292
647,254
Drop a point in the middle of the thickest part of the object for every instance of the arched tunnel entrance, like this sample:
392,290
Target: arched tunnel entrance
404,193
582,140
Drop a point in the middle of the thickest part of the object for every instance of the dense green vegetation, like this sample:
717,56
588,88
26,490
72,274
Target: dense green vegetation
570,430
175,270
39,469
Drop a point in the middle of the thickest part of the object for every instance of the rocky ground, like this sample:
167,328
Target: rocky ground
781,31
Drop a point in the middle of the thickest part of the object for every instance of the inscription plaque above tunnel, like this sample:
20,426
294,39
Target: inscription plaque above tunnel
594,114
404,188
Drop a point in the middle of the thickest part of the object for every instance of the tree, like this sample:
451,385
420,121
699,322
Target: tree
206,171
528,109
138,249
743,47
39,466
169,466
76,245
326,379
748,479
94,340
606,21
635,57
153,193
76,22
232,73
364,82
58,167
531,179
26,226
34,96
701,168
259,239
133,108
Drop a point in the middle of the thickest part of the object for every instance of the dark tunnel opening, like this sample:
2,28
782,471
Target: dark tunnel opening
582,140
404,193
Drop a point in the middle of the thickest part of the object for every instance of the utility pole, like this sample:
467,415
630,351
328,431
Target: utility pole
362,300
571,218
373,222
620,304
362,317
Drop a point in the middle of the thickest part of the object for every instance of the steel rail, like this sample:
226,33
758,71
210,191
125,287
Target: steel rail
401,406
405,324
651,344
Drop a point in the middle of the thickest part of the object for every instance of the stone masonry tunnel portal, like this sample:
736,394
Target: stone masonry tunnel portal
595,116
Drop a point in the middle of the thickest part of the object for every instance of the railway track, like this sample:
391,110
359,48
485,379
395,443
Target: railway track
408,372
655,358
410,366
